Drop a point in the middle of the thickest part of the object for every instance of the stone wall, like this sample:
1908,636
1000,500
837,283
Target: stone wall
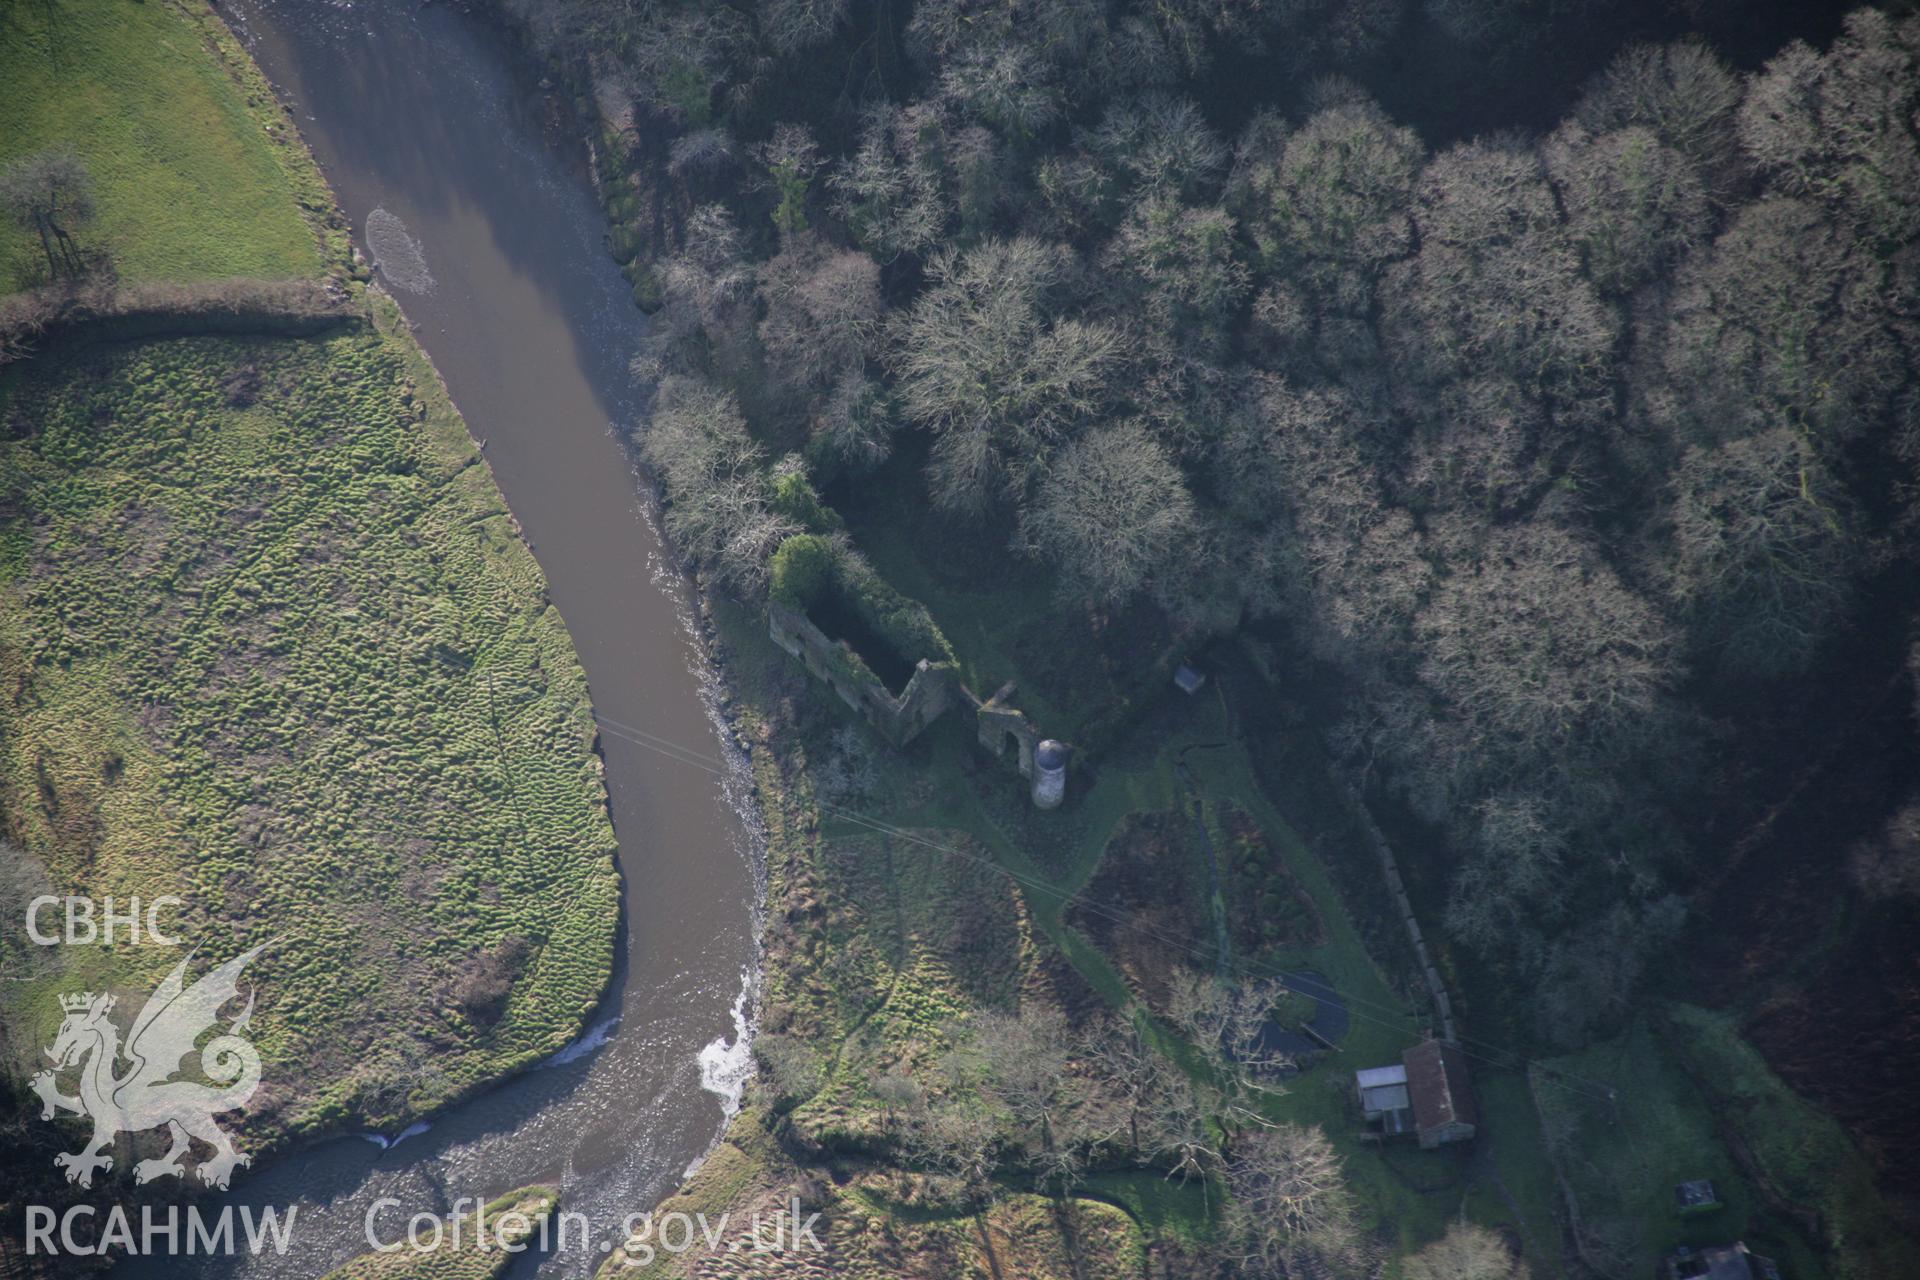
930,691
933,689
997,723
1442,1002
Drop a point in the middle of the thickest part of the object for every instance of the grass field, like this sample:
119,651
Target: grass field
867,1233
1791,1152
195,174
276,648
1627,1127
269,637
1680,1096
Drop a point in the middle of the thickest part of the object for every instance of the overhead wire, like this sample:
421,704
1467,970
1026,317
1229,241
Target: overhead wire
1402,1020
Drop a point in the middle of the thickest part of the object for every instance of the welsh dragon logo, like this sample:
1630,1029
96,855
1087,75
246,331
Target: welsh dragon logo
145,1094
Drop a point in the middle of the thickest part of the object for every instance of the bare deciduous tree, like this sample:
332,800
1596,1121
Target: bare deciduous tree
1761,549
1291,1207
710,273
49,194
792,25
1839,125
1328,203
852,428
1175,271
999,381
897,1094
1784,321
954,1140
1113,513
1511,876
1131,1077
1496,286
1024,1061
1466,1252
1887,864
1228,1025
1684,92
1537,643
1634,204
719,504
1161,146
821,311
889,190
790,1068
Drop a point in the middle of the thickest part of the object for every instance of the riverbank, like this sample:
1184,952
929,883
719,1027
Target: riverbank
277,646
506,286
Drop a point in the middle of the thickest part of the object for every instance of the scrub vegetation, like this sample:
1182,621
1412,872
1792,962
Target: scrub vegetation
270,641
1537,489
277,650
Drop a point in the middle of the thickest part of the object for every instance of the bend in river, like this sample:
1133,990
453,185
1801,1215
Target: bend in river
486,230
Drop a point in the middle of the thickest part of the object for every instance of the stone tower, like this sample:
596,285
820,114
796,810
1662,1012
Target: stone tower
1049,774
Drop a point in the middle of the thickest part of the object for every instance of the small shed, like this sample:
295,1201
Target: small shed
1187,679
1691,1199
1385,1103
1441,1091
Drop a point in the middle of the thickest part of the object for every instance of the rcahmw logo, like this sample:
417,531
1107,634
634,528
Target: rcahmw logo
147,1094
160,1230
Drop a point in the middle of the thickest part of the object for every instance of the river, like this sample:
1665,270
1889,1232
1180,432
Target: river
424,120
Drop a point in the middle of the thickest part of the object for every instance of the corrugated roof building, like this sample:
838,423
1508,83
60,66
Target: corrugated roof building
1384,1100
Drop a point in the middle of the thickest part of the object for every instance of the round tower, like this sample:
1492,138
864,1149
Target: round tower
1049,773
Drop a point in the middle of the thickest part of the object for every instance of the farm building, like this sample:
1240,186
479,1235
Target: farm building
1427,1094
1443,1109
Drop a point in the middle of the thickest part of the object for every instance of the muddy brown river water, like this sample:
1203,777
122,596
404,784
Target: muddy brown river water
484,224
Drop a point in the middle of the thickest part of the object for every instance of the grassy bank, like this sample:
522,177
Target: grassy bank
270,640
279,651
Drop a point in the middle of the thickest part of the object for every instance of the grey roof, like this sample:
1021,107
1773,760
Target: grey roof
1384,1096
1698,1192
1050,755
